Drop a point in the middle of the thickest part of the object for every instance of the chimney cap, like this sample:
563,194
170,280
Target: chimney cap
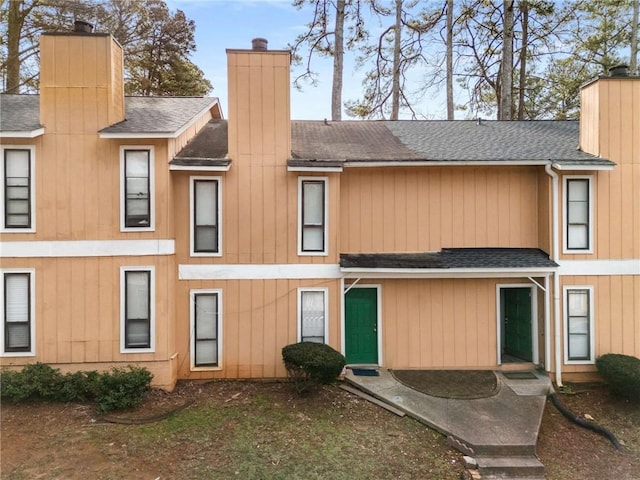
82,26
259,43
621,70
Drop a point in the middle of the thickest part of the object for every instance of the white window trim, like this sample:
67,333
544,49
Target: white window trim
325,252
152,308
192,329
565,192
192,202
32,189
592,341
152,190
32,312
325,290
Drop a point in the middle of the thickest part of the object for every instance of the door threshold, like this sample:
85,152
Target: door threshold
365,366
515,366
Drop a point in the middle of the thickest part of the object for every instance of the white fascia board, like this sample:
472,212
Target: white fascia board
587,168
600,267
316,169
447,163
87,248
258,272
23,133
445,272
224,168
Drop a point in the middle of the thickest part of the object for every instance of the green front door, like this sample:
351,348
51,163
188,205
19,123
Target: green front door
361,326
516,320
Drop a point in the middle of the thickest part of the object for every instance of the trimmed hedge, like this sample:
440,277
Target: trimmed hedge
622,373
114,390
312,364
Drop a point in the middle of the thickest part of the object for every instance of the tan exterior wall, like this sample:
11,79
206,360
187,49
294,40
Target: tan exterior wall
426,209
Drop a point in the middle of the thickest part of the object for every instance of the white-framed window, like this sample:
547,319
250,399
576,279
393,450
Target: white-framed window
137,307
137,196
313,306
579,325
205,216
18,189
578,214
312,215
18,312
206,329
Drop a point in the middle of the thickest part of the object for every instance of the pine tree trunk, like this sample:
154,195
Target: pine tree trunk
338,55
506,71
14,28
524,6
395,94
633,64
450,114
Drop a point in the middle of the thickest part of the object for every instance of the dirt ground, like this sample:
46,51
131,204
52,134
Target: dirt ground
264,430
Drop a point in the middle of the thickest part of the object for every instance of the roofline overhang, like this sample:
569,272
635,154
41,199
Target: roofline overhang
315,169
22,133
468,163
564,167
349,272
173,134
200,168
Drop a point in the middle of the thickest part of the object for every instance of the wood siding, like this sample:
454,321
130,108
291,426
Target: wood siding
426,209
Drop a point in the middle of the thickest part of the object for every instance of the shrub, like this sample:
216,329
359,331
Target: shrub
311,364
120,388
622,373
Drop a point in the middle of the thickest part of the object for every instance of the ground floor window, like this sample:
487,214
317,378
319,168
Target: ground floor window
579,324
137,296
17,312
312,315
205,328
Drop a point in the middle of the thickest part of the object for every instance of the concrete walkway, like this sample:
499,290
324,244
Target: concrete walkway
500,432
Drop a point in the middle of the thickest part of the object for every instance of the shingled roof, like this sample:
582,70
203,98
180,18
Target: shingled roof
452,258
19,113
158,116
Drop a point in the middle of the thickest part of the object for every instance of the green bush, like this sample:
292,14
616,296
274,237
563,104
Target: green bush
117,389
311,364
622,373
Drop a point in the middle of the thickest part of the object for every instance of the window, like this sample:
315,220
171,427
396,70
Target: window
205,328
312,315
138,299
18,322
578,214
579,324
18,189
205,216
137,189
312,216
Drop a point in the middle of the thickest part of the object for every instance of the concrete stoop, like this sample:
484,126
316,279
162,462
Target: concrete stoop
510,467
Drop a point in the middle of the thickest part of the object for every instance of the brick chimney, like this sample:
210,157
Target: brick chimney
259,103
81,80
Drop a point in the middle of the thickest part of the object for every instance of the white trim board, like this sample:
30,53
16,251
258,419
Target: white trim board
258,272
87,248
600,267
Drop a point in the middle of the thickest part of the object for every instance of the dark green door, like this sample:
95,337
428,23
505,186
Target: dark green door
361,325
516,320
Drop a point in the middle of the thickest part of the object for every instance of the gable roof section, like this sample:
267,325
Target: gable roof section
158,117
433,142
450,262
207,150
20,116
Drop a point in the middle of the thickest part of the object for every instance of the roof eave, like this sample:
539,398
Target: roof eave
363,272
583,166
22,133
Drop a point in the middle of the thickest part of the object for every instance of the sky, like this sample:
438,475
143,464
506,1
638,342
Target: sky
222,24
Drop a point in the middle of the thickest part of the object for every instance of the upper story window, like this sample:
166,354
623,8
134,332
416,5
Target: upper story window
312,315
578,215
17,305
138,301
579,332
18,189
137,192
312,216
205,216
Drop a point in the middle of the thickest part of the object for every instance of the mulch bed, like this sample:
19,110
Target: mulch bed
465,384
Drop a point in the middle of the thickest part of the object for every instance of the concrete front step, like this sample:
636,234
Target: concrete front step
510,467
502,450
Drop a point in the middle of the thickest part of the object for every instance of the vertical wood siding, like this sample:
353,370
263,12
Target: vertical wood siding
409,209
